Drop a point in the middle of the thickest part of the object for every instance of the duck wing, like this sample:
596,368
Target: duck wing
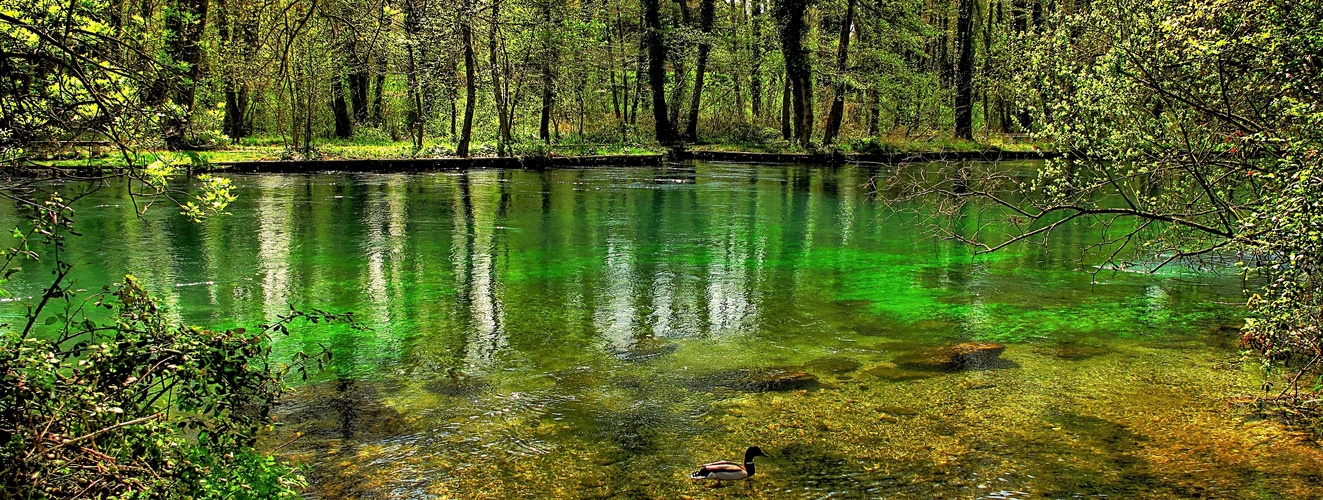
720,470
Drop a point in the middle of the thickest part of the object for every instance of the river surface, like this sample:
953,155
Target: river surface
599,333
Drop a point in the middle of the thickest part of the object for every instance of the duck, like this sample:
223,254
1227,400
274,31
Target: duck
729,471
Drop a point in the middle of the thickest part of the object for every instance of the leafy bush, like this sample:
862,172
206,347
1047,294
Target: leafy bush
873,146
137,407
105,397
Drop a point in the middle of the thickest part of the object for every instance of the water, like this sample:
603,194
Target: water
602,332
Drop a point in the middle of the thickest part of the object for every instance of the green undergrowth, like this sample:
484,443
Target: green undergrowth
272,148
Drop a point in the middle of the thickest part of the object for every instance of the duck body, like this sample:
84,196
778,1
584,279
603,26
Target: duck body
729,471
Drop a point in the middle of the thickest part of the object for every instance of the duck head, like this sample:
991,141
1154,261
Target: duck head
753,451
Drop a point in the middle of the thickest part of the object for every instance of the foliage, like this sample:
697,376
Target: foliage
1198,123
137,407
188,72
103,396
68,75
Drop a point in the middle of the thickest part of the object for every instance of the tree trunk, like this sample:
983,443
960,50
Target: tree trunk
544,128
657,70
232,123
470,80
785,109
842,68
1019,18
611,70
790,14
705,24
186,23
874,109
414,118
358,90
987,66
681,74
356,76
756,49
498,94
640,60
964,81
549,57
344,125
377,89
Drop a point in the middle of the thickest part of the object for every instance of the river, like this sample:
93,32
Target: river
600,333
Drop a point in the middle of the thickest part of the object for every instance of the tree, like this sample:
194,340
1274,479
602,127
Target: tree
1198,122
185,23
501,94
237,25
470,77
550,55
964,75
657,70
705,25
842,56
799,74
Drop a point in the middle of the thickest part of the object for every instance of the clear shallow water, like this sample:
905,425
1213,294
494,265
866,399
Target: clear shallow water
601,332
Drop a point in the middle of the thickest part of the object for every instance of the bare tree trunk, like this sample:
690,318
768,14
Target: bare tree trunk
987,67
611,69
681,74
414,118
358,89
1019,18
842,56
232,124
639,77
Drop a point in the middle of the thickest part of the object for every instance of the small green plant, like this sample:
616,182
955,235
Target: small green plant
135,405
873,146
103,396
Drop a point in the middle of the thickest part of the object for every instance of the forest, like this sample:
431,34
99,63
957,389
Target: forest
510,74
1184,134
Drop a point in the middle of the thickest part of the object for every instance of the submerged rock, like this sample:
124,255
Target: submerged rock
773,379
1227,336
833,365
870,330
461,387
646,349
963,356
899,411
342,409
578,378
779,380
891,372
1071,351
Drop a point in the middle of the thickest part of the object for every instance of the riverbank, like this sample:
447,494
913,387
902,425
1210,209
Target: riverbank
625,160
273,156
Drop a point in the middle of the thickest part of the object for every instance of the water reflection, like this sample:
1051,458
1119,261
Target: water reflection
275,227
551,334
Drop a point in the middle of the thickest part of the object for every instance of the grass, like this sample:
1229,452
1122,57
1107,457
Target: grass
370,145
